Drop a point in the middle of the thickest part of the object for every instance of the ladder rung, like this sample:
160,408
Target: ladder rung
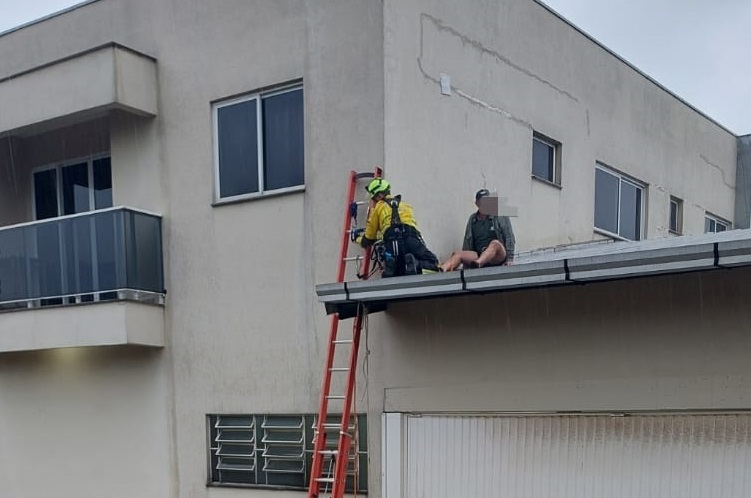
329,452
332,426
325,479
353,258
343,341
361,203
335,396
338,369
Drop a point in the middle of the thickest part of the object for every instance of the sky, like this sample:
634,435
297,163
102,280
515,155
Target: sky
698,49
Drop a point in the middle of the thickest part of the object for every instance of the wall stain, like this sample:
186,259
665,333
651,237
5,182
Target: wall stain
467,41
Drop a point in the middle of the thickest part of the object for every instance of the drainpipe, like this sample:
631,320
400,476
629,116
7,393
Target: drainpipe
743,184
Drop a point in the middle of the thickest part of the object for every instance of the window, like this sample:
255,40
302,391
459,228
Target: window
545,159
259,144
714,224
676,215
276,450
619,204
72,188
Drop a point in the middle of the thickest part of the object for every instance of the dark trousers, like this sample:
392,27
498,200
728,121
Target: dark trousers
402,240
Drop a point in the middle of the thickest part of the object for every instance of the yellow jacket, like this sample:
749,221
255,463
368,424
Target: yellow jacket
380,219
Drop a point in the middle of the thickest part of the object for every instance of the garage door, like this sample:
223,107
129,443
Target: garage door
597,456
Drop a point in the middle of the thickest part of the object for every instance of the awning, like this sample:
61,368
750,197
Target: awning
558,266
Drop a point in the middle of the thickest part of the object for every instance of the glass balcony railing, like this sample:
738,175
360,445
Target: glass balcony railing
101,255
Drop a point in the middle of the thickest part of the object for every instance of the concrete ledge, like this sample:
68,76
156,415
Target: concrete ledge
78,88
96,324
598,263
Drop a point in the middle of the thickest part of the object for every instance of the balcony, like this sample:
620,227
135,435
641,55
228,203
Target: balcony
50,269
94,82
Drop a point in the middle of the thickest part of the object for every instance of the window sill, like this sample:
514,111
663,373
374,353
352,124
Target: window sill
240,485
547,182
613,235
673,232
258,196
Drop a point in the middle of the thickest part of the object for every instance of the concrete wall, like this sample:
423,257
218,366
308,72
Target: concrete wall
138,174
244,332
515,68
85,422
12,193
662,343
243,325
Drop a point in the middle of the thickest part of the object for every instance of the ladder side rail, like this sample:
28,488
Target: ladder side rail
346,225
340,472
367,260
345,439
320,433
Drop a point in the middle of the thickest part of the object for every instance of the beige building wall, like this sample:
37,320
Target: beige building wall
516,68
85,422
11,188
245,333
663,343
233,273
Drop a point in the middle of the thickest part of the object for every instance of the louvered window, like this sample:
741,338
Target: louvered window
276,450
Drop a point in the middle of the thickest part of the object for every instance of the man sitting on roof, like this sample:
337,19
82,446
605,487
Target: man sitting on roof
488,238
405,252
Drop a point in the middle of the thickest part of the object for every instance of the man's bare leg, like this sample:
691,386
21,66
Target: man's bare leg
458,258
495,253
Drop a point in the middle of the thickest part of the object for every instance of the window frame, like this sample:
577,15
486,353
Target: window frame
58,167
261,457
622,178
717,220
258,96
678,230
556,148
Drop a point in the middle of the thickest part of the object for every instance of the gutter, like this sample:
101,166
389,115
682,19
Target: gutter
375,294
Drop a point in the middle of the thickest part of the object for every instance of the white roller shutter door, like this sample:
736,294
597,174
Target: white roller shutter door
571,456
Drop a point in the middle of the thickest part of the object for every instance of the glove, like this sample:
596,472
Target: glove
356,233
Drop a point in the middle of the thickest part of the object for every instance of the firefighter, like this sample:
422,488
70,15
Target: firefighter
404,250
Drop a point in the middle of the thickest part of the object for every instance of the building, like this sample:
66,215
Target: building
227,131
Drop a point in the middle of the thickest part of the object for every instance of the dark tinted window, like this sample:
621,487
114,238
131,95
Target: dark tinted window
673,216
543,160
102,183
237,136
283,140
606,201
45,194
76,188
630,226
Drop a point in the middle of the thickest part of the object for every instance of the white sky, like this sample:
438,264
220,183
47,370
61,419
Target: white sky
699,49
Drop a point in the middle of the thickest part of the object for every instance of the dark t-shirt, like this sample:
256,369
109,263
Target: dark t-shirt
482,233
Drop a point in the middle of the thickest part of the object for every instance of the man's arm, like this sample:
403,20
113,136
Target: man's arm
467,243
509,241
372,227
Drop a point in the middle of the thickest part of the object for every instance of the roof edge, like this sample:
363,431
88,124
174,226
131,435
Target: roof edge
639,71
47,17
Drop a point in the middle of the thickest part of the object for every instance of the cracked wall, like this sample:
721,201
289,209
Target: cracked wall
515,68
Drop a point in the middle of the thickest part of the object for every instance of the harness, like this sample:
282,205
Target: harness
397,229
393,237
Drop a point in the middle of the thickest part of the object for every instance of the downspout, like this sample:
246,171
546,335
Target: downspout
743,183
